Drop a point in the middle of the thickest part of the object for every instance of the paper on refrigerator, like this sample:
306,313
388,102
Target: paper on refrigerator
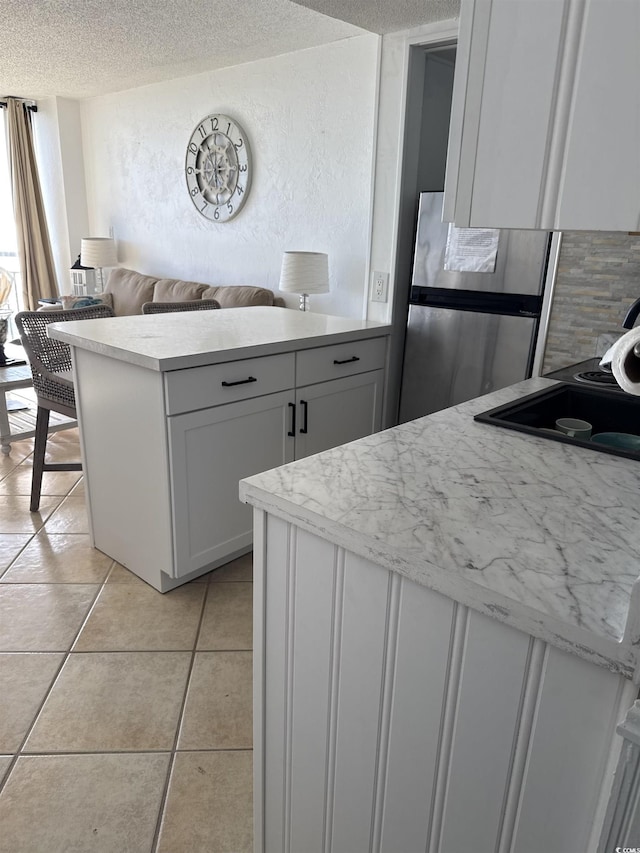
471,249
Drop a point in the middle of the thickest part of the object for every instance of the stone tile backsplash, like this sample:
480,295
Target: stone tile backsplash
598,278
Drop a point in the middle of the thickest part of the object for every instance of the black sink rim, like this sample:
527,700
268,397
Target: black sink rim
496,417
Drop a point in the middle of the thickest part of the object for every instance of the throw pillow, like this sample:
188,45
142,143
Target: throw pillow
69,302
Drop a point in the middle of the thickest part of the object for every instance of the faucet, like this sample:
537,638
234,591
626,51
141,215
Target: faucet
628,323
631,315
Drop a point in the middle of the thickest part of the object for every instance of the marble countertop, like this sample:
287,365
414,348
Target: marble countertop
184,339
539,534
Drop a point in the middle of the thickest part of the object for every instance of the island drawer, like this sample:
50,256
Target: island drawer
215,384
321,364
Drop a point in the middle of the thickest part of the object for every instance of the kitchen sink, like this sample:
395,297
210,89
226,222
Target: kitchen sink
537,413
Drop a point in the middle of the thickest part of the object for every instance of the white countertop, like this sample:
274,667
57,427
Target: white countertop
541,535
183,339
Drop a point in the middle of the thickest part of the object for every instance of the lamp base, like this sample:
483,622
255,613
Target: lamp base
304,301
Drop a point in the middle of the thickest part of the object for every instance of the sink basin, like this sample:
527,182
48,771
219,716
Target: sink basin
536,414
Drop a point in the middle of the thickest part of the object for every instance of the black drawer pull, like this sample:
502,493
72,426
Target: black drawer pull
292,431
239,382
346,360
305,412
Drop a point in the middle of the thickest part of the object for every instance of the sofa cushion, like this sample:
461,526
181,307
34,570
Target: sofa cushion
130,290
238,296
172,290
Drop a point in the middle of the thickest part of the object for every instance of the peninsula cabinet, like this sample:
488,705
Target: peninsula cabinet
390,717
545,122
166,439
445,647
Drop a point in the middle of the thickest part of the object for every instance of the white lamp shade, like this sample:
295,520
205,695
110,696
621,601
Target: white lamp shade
304,272
98,252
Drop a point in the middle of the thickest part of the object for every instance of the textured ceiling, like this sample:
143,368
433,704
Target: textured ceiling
80,48
386,16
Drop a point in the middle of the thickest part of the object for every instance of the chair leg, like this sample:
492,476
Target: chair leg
39,450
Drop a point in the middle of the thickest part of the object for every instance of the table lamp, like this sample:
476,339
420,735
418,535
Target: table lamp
304,273
98,252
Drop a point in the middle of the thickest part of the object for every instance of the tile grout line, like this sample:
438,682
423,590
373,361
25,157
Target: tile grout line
65,655
172,757
18,753
148,751
33,535
20,552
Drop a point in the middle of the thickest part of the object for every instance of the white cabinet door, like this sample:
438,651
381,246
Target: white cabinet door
545,124
210,452
600,178
335,412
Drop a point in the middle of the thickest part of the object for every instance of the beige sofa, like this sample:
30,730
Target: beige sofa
130,290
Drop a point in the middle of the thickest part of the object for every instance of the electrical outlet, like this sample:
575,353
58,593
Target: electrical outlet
380,286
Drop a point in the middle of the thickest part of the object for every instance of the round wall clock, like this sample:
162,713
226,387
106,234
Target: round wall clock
218,167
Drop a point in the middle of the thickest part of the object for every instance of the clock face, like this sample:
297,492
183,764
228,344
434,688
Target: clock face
218,167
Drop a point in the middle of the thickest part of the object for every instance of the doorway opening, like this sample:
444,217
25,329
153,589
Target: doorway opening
428,109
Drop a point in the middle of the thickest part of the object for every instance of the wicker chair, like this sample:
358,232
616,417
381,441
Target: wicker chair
50,362
191,305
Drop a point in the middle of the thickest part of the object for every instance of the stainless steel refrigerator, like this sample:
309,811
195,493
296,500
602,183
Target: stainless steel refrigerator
469,332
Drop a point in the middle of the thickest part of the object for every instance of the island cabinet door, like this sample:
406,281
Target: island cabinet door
210,451
335,412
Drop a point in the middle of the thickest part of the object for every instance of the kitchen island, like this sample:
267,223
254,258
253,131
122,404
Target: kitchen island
446,637
174,409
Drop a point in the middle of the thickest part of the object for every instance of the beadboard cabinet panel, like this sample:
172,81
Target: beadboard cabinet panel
559,754
492,662
311,629
271,689
390,718
362,665
420,619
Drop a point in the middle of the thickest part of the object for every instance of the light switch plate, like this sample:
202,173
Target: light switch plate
379,286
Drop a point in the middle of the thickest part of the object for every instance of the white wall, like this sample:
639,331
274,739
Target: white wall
73,171
309,116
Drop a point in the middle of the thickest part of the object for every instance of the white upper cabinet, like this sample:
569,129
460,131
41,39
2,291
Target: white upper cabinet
545,124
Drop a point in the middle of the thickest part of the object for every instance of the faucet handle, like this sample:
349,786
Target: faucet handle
631,315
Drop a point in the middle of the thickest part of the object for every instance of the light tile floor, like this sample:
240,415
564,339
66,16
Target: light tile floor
125,715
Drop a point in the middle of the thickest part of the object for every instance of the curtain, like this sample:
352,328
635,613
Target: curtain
34,249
